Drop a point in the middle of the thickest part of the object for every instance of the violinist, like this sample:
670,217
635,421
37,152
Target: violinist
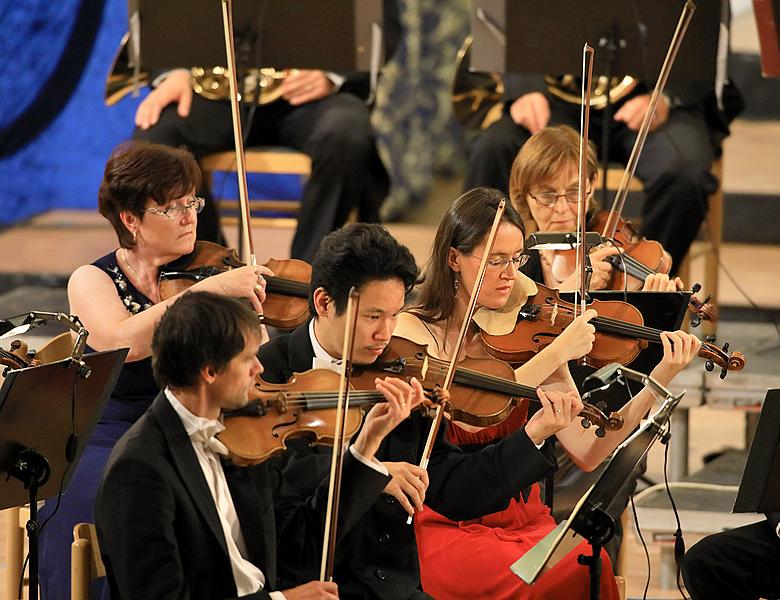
450,567
147,196
543,187
173,520
378,558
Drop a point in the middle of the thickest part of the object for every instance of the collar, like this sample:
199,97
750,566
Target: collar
321,356
197,428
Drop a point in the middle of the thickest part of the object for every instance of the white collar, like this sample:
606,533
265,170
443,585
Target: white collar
192,423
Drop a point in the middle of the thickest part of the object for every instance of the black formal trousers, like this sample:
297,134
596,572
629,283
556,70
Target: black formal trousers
335,132
674,167
378,558
159,530
740,564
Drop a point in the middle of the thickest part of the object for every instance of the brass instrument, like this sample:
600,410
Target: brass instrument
477,98
211,83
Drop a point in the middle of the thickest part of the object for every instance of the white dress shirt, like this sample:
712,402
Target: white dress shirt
201,431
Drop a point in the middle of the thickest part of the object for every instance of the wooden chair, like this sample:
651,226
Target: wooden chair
275,160
85,561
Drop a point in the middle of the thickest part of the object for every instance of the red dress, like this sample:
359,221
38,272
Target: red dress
470,560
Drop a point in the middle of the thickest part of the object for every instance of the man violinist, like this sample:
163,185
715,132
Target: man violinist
378,558
173,519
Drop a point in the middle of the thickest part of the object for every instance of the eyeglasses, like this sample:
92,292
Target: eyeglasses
500,264
177,210
548,199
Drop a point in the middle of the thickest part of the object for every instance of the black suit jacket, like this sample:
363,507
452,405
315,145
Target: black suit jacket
378,558
158,527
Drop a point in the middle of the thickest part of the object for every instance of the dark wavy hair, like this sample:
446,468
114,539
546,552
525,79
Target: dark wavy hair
137,171
358,254
199,330
465,224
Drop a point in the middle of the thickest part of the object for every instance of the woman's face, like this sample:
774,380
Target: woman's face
556,214
169,230
499,278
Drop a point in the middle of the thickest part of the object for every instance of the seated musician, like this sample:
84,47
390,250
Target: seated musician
319,113
543,187
451,566
147,194
674,166
173,520
378,559
739,564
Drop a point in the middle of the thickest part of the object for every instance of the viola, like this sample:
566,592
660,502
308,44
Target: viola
286,305
304,407
640,257
620,333
484,390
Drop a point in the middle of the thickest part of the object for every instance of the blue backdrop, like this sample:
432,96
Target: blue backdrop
55,131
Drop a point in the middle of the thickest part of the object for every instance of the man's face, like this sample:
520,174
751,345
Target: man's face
380,303
234,385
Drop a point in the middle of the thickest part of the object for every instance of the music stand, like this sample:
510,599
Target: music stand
47,413
630,38
591,520
267,23
759,490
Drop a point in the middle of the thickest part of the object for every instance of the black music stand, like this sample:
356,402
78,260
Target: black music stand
630,38
197,38
759,490
591,519
47,414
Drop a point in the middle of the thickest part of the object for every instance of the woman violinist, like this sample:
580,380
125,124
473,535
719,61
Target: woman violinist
147,194
471,559
543,189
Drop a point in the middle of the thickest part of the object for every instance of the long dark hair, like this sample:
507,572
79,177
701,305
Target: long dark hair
465,224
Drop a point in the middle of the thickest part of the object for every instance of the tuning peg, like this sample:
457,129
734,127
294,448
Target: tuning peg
709,339
586,423
695,320
695,288
600,432
601,405
726,348
723,373
709,365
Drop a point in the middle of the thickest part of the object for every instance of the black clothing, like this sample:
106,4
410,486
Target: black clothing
378,559
159,529
335,132
740,564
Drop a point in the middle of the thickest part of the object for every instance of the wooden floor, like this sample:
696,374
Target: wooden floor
58,242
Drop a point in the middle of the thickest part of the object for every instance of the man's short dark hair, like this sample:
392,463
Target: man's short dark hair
199,330
358,254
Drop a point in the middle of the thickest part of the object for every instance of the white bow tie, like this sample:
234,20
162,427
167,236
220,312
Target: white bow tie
206,436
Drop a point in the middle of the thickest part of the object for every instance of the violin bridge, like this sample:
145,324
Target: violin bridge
554,314
424,368
280,404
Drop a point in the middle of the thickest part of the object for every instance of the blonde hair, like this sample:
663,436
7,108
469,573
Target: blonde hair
540,159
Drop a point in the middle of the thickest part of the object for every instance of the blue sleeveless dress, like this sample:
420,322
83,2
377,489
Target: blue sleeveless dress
133,394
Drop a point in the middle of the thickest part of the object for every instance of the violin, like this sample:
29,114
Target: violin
620,333
18,356
301,408
286,305
484,390
640,257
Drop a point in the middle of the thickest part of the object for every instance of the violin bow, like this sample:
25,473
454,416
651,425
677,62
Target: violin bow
582,263
247,248
337,458
620,196
472,305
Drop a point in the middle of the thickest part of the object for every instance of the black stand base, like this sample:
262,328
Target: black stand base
598,528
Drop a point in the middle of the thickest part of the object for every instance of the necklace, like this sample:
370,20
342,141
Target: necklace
135,274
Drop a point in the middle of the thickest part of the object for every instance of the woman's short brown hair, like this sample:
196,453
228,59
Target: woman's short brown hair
137,171
540,159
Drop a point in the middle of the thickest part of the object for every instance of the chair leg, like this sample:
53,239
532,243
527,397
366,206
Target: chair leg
14,552
80,570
